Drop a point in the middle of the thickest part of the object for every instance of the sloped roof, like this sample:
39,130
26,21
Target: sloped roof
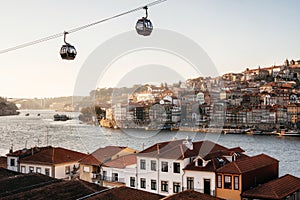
59,189
53,155
101,155
248,164
275,189
26,152
122,161
190,195
214,163
125,193
5,173
178,150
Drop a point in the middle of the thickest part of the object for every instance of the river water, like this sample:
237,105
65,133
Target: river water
27,131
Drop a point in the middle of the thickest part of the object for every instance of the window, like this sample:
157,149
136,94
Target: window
190,183
153,184
132,181
200,162
176,167
47,171
143,183
12,162
31,169
143,164
219,185
236,183
176,187
153,165
227,182
115,177
164,186
104,175
86,169
164,166
67,169
23,169
38,170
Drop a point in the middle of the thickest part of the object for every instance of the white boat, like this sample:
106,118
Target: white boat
293,133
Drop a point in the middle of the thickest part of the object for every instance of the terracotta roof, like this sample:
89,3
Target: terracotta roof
53,155
73,189
190,195
275,189
125,193
248,164
101,155
5,173
122,161
23,182
214,162
25,152
178,150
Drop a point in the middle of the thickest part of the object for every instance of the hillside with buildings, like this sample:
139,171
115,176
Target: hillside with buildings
265,99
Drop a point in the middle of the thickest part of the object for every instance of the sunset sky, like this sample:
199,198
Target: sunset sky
235,34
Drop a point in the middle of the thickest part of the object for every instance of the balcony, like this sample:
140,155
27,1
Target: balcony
113,179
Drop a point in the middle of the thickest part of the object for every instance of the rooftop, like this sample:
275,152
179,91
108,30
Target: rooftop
14,185
125,193
275,189
122,161
53,155
180,149
190,195
101,155
248,164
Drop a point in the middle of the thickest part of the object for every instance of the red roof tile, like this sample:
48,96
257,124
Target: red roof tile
275,189
122,161
248,164
101,155
53,155
190,195
178,150
125,193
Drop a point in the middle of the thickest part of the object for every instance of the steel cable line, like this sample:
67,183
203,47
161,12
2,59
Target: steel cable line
51,37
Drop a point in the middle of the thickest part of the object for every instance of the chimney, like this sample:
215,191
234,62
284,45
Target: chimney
188,143
157,146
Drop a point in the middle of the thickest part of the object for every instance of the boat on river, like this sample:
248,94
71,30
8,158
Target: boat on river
292,133
58,117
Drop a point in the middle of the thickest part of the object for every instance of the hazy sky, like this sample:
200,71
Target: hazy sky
234,33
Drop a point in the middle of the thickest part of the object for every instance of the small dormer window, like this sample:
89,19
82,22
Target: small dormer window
12,162
199,162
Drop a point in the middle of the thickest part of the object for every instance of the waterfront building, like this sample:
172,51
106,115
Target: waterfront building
51,161
236,177
161,168
119,172
91,165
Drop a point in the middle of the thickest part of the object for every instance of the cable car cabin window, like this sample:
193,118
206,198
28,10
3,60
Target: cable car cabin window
144,27
68,52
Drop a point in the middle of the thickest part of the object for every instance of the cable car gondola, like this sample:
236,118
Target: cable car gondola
67,51
144,26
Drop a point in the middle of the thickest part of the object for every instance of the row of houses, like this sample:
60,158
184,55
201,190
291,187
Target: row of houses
165,168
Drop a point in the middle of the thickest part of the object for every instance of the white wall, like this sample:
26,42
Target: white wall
199,177
158,175
123,174
43,167
13,168
60,170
